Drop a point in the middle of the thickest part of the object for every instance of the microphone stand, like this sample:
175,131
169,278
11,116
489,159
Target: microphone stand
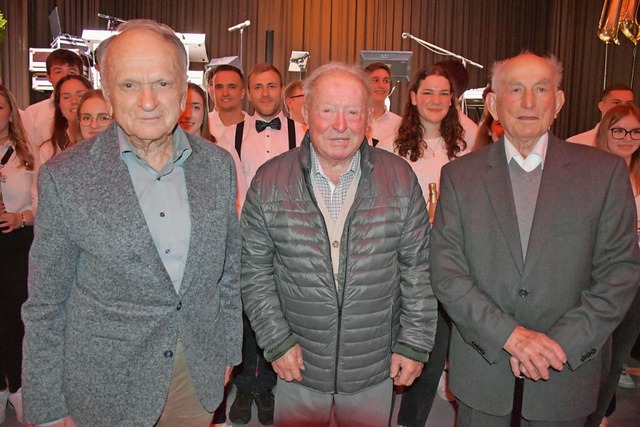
440,51
241,34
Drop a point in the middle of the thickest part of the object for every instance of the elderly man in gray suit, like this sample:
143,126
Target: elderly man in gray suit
134,313
534,258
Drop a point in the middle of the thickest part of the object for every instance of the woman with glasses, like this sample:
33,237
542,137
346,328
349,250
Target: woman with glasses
93,114
66,129
18,199
619,134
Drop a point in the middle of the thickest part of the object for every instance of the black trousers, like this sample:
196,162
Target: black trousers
14,260
254,373
418,398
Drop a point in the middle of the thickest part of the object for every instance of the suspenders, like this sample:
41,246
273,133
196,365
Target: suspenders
374,142
291,128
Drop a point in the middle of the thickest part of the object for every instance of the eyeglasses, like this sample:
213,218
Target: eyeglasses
296,96
101,119
620,133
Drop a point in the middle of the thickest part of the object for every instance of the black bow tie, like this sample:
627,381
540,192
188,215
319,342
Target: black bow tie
273,124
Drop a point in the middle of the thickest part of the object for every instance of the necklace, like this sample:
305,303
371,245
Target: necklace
432,150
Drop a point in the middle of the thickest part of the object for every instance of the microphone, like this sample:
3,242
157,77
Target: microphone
111,18
406,35
240,26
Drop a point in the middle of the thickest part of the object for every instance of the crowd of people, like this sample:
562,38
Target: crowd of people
317,254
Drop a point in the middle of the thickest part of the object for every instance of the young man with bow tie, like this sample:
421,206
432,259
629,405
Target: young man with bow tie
262,136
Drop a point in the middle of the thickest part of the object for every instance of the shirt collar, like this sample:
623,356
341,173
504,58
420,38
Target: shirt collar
181,147
536,156
316,167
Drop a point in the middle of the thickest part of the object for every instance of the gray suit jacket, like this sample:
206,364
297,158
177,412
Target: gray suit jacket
103,318
581,271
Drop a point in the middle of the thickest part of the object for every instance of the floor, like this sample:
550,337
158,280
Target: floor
442,414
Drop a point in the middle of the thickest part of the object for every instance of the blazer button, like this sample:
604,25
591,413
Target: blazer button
168,354
583,358
523,293
179,306
593,351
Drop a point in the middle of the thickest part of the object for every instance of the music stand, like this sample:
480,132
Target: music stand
399,62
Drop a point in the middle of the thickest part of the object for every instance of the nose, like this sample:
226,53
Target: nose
340,122
528,99
225,91
147,98
94,123
265,91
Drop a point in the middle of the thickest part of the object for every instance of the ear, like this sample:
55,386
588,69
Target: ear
491,105
107,97
243,93
414,98
601,107
559,100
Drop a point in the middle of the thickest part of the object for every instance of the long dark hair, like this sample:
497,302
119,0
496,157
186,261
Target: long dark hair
409,141
17,134
59,138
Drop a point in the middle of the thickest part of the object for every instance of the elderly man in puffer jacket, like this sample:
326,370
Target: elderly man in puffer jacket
335,272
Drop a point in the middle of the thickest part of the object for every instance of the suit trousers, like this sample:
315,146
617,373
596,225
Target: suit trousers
300,406
183,407
469,417
14,260
418,398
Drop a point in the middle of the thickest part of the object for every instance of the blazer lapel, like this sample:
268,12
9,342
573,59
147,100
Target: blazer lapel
127,219
199,176
550,197
497,183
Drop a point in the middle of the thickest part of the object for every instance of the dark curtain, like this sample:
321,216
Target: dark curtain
337,30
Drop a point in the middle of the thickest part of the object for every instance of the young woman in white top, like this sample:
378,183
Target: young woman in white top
429,136
17,207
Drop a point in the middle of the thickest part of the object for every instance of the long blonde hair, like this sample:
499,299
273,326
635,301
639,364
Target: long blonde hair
16,131
610,118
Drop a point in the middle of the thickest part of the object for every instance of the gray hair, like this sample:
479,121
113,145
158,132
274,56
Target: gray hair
311,83
162,30
498,69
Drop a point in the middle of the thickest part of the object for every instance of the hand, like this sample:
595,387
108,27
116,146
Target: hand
532,353
10,221
289,365
404,371
227,375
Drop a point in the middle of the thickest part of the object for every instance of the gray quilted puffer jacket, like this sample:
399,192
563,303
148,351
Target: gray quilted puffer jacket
384,302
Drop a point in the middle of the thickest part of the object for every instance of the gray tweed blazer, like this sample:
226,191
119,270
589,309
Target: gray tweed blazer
102,319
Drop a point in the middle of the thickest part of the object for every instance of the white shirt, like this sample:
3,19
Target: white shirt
586,138
536,156
427,168
216,127
39,121
385,128
470,129
19,189
257,148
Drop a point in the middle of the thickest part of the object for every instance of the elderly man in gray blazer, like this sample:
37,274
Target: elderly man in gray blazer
534,258
134,313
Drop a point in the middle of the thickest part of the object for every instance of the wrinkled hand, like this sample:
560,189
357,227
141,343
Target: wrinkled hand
227,375
532,353
289,365
10,221
404,371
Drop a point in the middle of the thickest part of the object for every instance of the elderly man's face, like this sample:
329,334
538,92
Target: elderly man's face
145,86
526,99
338,115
